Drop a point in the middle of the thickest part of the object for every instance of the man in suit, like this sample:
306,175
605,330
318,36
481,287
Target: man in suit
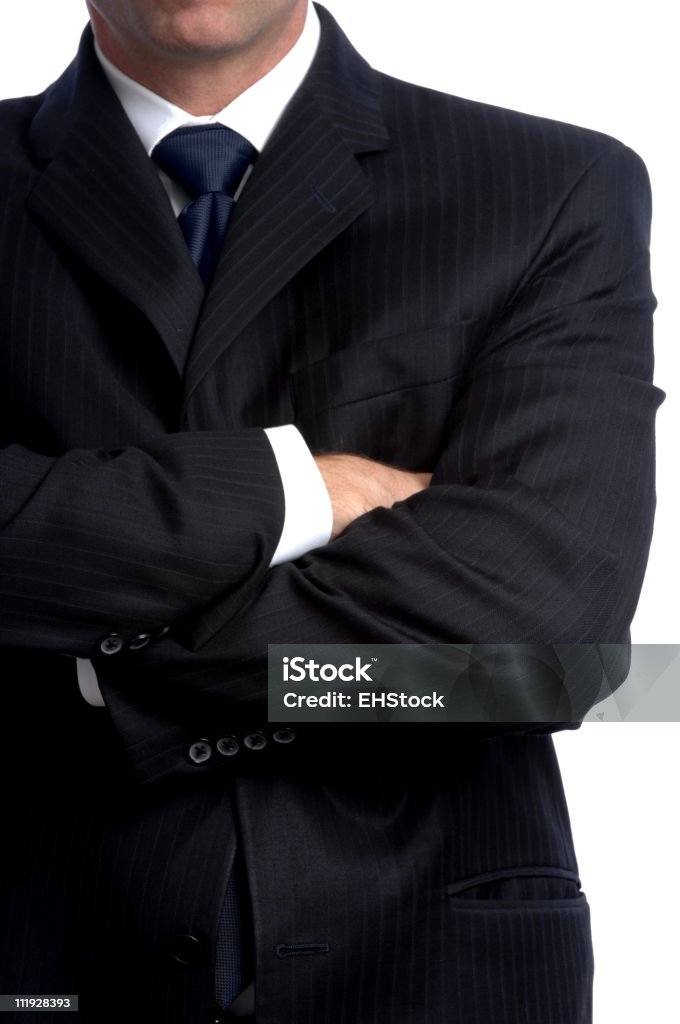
439,312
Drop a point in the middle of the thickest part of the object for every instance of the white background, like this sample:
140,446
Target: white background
607,65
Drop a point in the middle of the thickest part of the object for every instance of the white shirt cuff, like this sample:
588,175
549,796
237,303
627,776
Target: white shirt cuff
308,518
88,683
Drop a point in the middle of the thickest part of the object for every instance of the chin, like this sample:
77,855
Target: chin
201,30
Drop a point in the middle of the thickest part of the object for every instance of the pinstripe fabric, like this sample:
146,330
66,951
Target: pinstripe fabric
428,281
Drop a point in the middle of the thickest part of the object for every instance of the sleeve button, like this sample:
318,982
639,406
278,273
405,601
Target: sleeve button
112,644
283,736
255,741
140,642
227,746
200,752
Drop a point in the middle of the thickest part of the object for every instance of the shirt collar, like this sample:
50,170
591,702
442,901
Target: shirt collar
253,114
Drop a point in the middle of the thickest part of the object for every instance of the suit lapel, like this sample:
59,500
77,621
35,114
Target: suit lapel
306,187
101,196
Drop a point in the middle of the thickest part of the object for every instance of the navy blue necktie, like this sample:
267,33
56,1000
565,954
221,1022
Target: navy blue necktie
209,162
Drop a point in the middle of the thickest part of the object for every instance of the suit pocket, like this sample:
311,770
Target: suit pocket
390,399
532,887
519,944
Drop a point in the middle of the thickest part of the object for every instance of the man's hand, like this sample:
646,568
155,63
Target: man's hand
357,485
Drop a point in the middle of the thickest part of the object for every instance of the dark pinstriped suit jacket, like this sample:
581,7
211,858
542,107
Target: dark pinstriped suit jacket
434,283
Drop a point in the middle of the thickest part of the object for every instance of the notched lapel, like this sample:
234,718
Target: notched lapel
101,195
306,187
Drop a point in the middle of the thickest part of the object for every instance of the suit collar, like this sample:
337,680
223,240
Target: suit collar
347,89
306,187
102,197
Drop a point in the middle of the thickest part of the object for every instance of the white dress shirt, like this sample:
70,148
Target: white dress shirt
308,515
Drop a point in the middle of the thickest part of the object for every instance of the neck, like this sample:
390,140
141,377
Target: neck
198,82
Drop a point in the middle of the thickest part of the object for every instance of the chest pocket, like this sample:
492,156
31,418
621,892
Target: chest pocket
390,399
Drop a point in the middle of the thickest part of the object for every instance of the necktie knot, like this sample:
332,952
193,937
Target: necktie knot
209,162
205,158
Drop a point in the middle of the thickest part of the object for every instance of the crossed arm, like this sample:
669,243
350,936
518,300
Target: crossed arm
535,527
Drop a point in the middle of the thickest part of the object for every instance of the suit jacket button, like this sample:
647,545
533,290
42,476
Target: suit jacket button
200,752
283,736
188,950
227,746
140,642
255,741
112,644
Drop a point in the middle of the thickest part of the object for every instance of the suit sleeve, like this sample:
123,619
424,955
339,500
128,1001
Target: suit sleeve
537,525
125,542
